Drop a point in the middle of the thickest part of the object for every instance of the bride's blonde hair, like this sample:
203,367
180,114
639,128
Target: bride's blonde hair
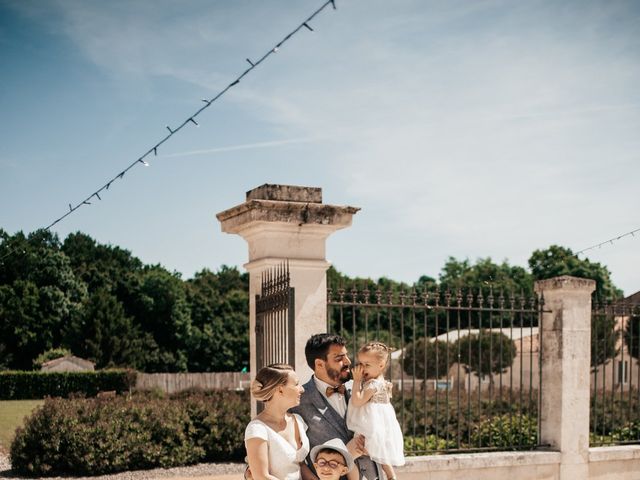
268,379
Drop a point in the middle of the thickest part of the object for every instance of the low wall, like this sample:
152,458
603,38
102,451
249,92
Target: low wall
605,463
614,463
177,382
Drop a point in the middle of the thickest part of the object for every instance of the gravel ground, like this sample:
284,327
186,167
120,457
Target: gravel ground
199,470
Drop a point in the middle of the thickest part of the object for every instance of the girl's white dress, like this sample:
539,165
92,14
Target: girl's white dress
284,458
376,420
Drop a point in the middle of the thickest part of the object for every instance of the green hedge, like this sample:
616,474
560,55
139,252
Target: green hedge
105,435
37,385
506,432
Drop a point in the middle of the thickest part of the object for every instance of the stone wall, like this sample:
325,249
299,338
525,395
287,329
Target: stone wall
605,463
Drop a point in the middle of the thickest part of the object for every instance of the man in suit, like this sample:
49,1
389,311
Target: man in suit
323,405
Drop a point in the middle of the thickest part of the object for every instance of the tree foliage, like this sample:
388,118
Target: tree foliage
428,358
555,261
104,304
486,353
485,275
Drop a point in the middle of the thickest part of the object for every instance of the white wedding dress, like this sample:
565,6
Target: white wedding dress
284,458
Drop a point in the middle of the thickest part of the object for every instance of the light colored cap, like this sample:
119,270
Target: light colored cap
333,444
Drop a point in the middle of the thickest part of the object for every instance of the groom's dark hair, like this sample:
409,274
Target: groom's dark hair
318,347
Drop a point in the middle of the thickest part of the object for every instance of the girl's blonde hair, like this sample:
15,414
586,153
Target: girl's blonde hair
268,379
379,349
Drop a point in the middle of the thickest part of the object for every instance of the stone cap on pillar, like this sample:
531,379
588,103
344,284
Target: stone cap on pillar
285,204
565,282
285,193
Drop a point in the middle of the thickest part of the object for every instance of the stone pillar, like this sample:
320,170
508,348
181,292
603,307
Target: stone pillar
283,222
566,358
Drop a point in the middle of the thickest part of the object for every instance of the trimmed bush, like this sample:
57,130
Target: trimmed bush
431,444
627,433
613,412
37,385
438,414
99,436
219,419
506,432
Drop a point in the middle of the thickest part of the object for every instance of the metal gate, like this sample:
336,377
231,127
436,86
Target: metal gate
275,315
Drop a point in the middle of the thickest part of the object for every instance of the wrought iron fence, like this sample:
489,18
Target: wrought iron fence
465,365
615,373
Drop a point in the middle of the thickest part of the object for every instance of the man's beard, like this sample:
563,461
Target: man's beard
341,376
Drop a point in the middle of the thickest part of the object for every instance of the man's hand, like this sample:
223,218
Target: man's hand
356,446
357,373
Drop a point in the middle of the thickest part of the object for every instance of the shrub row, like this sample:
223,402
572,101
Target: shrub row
98,436
36,385
502,432
455,418
449,421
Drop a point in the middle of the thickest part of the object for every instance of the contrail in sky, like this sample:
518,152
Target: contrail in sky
246,146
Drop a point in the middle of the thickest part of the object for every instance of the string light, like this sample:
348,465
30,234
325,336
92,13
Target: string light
190,119
610,241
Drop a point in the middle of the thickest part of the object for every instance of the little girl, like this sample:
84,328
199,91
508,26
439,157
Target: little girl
370,412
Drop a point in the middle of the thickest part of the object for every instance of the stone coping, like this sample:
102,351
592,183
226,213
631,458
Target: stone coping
285,193
467,461
296,213
614,452
566,282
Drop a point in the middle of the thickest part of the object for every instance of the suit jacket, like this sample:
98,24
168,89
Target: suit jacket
324,423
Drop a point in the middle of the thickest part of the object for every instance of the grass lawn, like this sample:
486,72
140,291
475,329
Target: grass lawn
12,413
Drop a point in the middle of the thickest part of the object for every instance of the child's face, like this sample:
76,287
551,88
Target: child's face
330,465
372,365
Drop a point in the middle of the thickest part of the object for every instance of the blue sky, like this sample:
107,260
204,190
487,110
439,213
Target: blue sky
462,128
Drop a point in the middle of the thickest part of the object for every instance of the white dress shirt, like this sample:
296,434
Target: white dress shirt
337,400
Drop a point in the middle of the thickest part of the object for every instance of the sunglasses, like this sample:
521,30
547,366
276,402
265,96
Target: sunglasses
331,464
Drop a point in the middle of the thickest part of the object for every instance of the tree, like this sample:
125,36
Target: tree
161,309
425,282
105,335
555,261
485,276
219,305
432,358
486,353
39,293
102,266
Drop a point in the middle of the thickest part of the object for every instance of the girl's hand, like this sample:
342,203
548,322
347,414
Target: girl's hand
357,373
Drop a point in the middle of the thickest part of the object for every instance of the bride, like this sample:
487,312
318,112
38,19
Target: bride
276,441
